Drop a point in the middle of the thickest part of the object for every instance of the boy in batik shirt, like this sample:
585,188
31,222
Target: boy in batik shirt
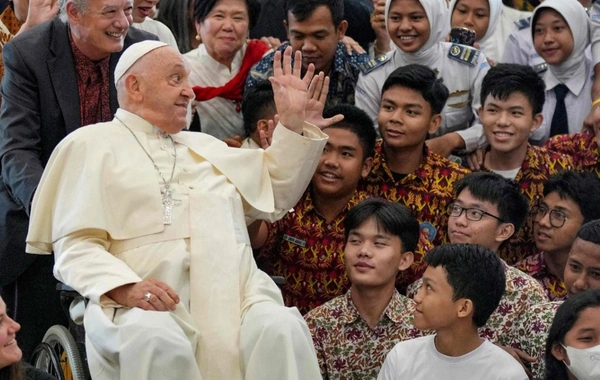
570,200
512,100
353,332
404,170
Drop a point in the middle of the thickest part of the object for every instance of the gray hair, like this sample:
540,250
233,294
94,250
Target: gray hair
81,5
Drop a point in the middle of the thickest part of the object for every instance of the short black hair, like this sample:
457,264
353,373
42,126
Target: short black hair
590,232
356,121
513,206
582,188
474,273
258,103
203,7
505,79
421,79
303,9
566,316
391,217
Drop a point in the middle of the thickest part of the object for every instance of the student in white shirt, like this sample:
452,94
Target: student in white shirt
462,286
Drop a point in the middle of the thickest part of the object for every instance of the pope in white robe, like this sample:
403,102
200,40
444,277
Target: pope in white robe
150,225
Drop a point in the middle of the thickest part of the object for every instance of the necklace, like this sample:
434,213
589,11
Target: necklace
167,197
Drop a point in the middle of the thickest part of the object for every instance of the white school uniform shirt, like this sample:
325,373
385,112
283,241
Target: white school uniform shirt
159,29
519,49
218,116
575,72
462,77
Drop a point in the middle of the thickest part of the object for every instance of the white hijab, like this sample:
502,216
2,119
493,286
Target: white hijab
495,13
578,20
439,24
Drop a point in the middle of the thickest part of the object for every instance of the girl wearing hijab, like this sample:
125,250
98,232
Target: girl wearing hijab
417,29
490,19
560,33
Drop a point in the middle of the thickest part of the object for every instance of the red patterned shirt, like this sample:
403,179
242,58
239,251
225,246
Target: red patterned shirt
535,266
426,192
538,166
9,27
347,347
581,147
308,252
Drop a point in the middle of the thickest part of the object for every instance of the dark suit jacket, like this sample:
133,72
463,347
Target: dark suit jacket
40,106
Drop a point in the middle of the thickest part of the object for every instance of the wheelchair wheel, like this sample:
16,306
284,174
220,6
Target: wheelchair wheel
58,355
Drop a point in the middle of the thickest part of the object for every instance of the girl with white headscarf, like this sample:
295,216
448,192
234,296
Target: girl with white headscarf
492,21
560,33
462,69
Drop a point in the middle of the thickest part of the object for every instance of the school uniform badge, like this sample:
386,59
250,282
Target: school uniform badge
464,54
373,63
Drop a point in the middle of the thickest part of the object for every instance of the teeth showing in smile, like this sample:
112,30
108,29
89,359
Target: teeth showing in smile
115,35
9,343
407,37
503,134
329,175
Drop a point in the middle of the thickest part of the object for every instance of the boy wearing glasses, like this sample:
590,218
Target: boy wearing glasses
513,98
488,210
570,200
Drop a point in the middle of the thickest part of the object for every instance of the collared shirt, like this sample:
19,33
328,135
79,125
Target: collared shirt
530,332
522,292
581,147
535,266
538,166
92,83
347,347
307,251
9,27
343,75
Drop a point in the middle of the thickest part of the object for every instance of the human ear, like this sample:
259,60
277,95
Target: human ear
506,230
537,122
366,168
465,308
434,124
406,261
559,352
341,29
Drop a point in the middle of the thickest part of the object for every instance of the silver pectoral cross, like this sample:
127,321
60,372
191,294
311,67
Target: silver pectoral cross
168,203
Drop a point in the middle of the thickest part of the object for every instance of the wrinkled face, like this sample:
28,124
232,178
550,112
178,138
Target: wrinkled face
405,118
317,38
485,232
9,350
583,267
164,90
555,240
585,333
341,165
408,25
435,308
225,29
552,37
142,8
21,9
472,14
507,123
101,30
373,256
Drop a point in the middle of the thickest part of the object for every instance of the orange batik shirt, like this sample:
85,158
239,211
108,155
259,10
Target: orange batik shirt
538,166
581,147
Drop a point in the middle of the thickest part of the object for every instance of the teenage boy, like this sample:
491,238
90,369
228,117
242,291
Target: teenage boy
513,97
461,288
306,245
404,170
354,332
582,272
258,107
316,27
488,211
570,200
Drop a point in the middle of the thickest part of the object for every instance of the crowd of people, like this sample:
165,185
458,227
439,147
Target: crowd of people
423,174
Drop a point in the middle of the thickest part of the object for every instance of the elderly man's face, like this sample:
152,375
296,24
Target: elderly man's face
165,90
101,29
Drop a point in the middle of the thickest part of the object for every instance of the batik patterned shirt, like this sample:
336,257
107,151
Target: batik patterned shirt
522,292
9,27
581,147
347,347
530,332
538,166
342,78
308,252
535,266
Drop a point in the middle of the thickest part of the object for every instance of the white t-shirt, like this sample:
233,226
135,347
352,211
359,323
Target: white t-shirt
418,359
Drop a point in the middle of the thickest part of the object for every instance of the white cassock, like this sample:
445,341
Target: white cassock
98,206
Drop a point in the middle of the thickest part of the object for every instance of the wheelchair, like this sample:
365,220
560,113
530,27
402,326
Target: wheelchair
62,351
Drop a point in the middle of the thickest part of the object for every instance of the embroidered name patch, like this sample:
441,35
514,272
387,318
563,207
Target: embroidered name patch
373,63
464,54
294,240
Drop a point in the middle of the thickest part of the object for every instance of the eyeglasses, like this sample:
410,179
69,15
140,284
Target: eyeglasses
557,217
473,214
